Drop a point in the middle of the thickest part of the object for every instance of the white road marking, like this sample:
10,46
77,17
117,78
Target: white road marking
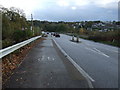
91,49
100,46
79,68
41,59
105,55
48,58
97,51
88,78
101,52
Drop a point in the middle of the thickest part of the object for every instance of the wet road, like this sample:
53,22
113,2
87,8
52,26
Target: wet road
43,67
99,61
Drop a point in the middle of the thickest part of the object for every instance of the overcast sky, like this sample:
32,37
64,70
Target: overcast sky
67,10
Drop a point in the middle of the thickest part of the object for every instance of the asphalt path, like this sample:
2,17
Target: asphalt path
43,67
98,60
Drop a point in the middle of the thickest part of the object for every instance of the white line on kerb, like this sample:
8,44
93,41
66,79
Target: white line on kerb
81,70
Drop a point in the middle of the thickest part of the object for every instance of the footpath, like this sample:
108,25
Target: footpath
43,67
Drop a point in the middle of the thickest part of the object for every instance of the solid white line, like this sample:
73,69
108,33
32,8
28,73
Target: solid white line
87,77
81,70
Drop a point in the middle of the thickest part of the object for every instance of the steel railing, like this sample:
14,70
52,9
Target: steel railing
12,48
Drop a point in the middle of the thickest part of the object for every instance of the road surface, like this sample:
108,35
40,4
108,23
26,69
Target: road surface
43,67
99,61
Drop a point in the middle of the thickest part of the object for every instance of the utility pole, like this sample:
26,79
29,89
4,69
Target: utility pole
32,24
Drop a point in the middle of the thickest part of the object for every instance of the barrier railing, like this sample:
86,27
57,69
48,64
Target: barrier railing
12,48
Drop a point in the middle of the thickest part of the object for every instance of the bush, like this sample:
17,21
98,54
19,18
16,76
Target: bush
20,35
28,33
6,43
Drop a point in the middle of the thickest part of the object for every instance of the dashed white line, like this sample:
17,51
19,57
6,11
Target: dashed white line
104,48
91,49
97,51
101,52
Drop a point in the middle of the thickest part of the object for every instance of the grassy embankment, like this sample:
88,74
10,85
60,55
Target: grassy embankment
110,38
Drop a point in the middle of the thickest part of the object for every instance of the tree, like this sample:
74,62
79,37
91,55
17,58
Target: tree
14,26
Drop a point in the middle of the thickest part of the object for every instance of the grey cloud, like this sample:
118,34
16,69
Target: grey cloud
91,12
